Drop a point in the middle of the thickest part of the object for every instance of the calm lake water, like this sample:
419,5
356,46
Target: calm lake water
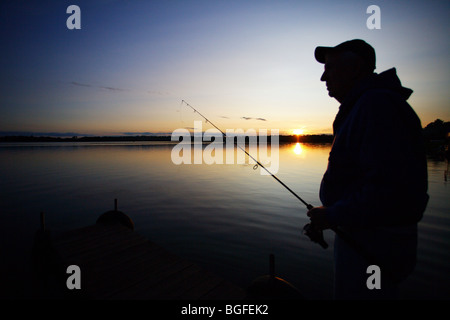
227,218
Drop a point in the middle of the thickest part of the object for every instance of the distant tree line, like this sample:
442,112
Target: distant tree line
436,134
437,138
437,130
321,138
82,139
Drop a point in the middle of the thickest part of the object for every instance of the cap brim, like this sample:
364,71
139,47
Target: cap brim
320,53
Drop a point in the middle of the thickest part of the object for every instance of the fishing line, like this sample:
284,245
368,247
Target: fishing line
315,235
309,230
308,206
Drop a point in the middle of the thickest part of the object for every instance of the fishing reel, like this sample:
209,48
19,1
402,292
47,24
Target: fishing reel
315,235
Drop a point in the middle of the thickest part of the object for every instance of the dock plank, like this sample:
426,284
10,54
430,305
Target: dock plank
118,263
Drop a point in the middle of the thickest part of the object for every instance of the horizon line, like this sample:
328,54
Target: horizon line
72,135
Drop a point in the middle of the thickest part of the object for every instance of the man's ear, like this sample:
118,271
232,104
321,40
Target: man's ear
357,68
354,64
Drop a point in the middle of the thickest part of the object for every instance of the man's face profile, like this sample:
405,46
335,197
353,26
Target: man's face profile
341,73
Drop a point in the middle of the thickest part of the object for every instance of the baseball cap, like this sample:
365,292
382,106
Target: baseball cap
357,46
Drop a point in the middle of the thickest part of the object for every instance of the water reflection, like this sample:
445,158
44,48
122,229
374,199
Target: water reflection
226,217
298,149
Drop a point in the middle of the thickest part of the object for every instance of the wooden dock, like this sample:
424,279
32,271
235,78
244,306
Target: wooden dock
118,263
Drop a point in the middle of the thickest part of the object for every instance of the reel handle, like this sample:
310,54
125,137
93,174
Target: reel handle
313,234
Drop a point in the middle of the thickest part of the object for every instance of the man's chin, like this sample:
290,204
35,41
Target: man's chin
332,95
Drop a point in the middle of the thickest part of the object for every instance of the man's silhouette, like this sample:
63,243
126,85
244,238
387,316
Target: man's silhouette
375,186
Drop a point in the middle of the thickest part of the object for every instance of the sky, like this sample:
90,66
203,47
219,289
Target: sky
243,64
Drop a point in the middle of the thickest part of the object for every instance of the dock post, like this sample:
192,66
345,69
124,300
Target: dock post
115,204
42,221
272,266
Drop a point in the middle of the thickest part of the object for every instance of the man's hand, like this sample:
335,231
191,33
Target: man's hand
318,216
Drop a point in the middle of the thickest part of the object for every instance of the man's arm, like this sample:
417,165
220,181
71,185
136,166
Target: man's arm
390,185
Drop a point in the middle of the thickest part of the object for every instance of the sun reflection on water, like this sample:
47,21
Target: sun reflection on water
297,149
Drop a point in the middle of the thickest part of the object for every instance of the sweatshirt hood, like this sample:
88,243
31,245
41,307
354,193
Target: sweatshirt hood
390,81
387,80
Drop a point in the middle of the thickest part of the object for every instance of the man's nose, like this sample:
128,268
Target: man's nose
323,77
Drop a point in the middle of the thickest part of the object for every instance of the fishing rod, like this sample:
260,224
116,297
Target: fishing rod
315,234
309,230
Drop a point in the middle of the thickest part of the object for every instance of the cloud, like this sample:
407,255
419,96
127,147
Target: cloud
146,133
43,134
115,89
138,133
101,87
80,84
250,118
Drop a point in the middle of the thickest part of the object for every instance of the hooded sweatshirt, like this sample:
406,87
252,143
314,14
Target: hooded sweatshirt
377,171
375,186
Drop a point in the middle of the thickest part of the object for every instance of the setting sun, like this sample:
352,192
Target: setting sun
298,131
